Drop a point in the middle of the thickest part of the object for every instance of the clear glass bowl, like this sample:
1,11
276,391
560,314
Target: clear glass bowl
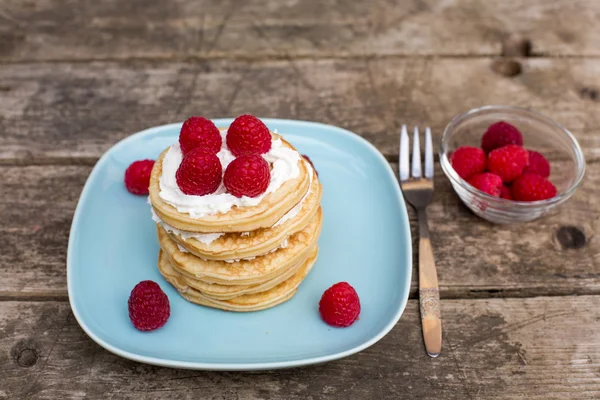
541,134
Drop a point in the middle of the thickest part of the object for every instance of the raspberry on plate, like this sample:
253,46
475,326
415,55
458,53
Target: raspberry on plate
532,187
468,161
137,176
199,132
499,135
538,164
149,307
487,183
508,162
340,305
247,175
199,173
248,135
505,193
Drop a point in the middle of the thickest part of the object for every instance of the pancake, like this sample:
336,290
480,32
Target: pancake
244,272
227,292
250,302
238,219
255,243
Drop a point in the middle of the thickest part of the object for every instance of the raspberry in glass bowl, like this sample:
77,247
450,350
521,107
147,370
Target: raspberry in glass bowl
540,135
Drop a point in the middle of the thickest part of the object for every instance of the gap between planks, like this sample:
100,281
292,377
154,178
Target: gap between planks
91,161
48,161
468,294
169,59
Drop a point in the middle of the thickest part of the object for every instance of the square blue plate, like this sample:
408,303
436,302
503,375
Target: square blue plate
365,241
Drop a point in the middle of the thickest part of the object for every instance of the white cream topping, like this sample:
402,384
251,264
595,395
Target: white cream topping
284,163
296,210
234,260
283,245
182,249
206,238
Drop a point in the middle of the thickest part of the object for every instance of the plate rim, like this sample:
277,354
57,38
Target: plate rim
212,366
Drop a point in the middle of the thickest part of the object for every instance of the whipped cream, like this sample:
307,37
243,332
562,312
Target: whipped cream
234,260
296,210
283,245
182,249
284,167
206,238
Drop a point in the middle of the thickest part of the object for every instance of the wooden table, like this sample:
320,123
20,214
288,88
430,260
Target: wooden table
521,304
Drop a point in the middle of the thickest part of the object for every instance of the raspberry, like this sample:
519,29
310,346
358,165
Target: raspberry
468,161
199,173
538,164
339,305
505,193
499,135
137,176
247,176
149,307
311,163
532,187
248,135
508,162
199,132
487,183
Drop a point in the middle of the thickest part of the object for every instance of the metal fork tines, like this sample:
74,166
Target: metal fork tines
418,191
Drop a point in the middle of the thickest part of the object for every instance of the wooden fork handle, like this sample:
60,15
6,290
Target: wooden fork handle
429,293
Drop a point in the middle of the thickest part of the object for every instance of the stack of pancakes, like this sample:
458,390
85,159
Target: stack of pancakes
249,258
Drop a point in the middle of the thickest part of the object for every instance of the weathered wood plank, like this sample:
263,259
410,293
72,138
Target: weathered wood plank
36,208
541,348
474,258
60,30
63,111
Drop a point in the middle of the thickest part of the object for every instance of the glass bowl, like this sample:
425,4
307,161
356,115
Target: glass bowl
541,134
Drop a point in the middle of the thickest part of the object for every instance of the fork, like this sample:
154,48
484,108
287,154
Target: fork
418,191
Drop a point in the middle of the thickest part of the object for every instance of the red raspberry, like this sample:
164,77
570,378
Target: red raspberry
468,161
311,163
247,176
137,176
339,305
505,193
532,187
499,135
149,307
487,183
199,173
248,135
508,162
199,132
538,164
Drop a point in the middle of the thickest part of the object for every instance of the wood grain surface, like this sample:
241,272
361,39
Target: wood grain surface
41,30
519,302
506,349
58,111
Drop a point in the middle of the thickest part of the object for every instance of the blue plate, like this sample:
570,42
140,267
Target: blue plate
365,241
